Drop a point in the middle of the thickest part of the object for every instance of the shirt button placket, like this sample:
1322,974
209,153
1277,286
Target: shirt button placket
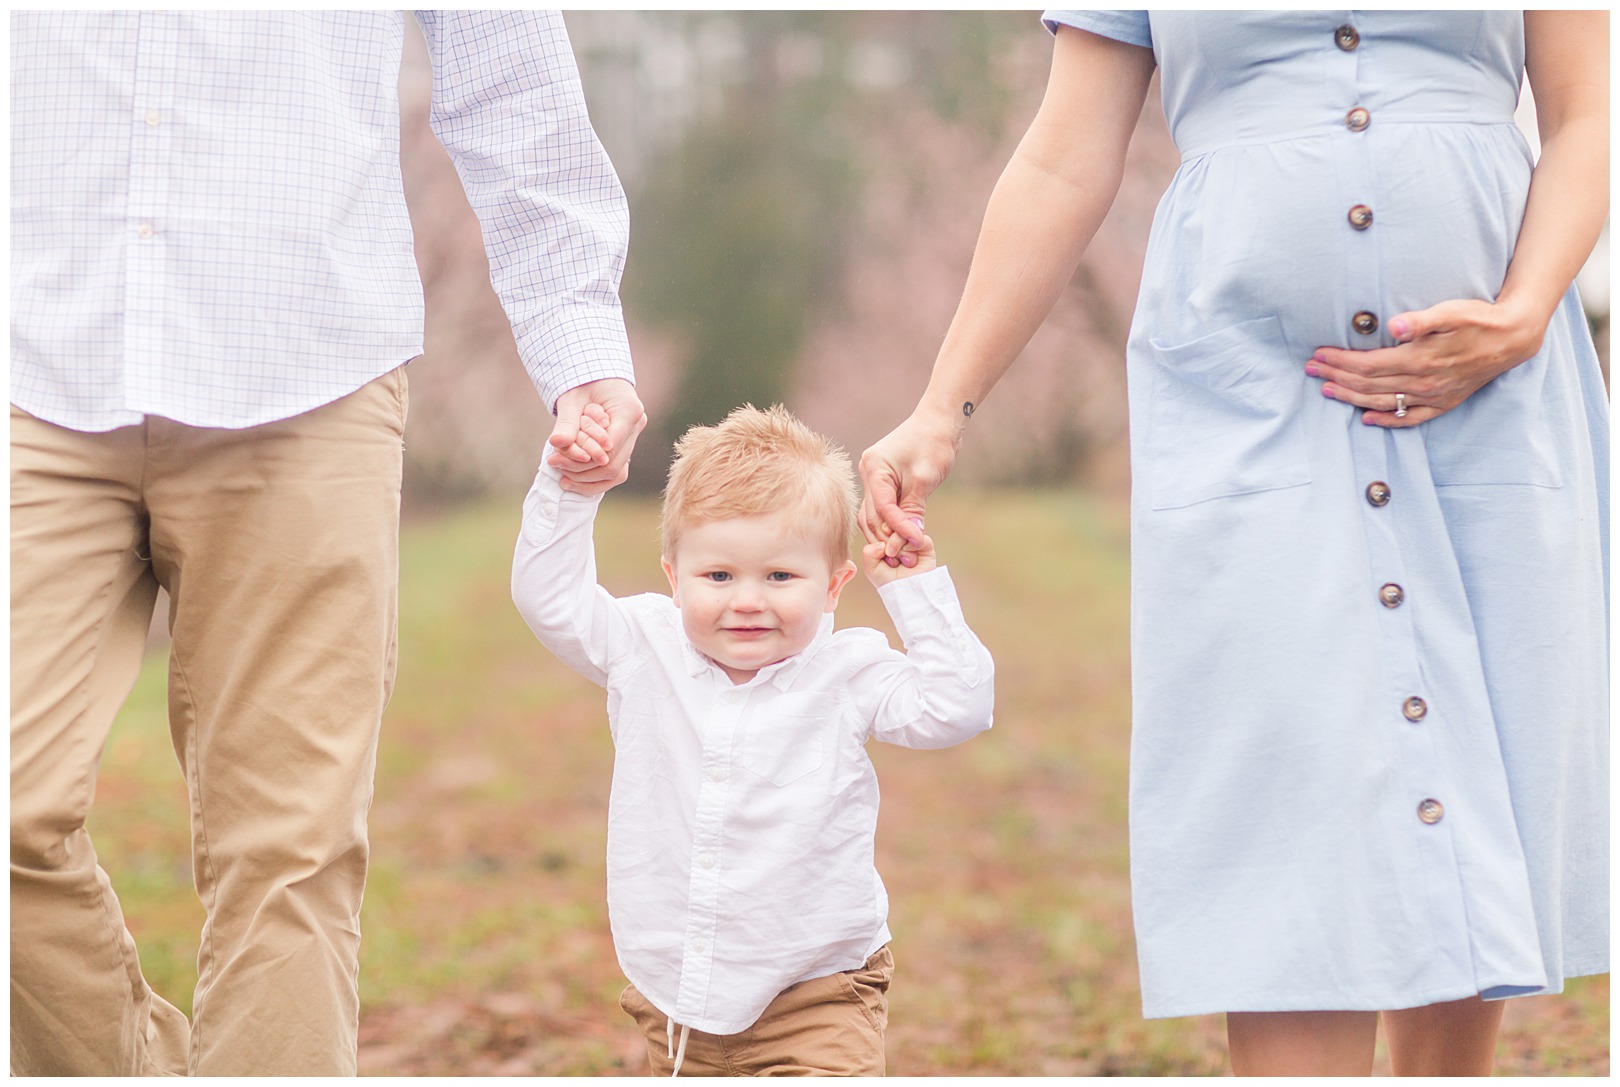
149,249
708,831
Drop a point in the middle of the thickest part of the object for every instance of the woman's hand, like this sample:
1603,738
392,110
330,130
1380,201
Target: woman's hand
1446,354
898,473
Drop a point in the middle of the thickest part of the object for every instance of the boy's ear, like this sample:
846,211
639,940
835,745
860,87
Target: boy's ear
835,586
669,572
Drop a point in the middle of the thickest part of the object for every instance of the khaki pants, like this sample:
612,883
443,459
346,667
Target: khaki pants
827,1026
278,545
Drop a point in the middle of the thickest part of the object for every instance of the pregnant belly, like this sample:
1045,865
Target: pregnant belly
1316,231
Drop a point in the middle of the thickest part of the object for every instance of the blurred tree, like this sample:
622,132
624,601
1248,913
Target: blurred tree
738,238
742,224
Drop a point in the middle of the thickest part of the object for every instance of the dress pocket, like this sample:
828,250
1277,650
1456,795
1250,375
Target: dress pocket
787,739
1224,417
1500,435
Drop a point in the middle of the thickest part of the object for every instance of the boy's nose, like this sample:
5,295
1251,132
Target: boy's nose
748,599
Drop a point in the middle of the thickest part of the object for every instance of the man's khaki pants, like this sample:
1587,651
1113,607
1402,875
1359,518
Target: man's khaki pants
278,545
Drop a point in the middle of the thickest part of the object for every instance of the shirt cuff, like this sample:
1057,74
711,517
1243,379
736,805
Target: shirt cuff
584,345
548,505
923,602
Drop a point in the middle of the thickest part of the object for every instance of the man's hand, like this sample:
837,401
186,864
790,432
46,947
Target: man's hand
597,427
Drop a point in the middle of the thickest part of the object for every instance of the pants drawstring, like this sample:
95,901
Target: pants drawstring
676,1053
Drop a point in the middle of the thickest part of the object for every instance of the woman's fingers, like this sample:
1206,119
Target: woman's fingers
1384,409
890,519
1352,376
1447,316
1381,382
1375,363
1390,420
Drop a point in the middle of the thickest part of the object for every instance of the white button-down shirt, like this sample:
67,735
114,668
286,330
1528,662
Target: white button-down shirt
207,220
742,817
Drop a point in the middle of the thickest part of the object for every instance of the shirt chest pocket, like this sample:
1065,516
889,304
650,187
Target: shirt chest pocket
790,738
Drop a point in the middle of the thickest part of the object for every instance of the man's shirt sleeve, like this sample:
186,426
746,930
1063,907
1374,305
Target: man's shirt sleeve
508,106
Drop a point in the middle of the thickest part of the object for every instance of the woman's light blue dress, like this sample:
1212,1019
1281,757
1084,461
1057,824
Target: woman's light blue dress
1370,740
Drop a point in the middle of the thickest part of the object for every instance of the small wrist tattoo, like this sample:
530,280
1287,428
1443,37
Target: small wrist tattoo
967,409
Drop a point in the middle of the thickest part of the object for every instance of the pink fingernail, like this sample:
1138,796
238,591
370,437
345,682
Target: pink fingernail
1310,368
1327,391
1398,327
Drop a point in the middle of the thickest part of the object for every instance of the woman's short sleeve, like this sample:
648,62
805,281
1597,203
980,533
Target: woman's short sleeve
1130,27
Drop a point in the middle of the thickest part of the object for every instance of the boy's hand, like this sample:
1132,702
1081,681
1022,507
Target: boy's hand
878,570
590,449
597,427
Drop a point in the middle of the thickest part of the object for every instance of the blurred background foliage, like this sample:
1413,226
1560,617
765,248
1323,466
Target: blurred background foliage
805,192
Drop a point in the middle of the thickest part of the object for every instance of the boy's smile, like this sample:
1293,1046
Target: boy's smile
752,590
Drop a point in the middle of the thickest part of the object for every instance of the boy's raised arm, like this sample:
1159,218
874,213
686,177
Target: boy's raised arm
554,580
941,691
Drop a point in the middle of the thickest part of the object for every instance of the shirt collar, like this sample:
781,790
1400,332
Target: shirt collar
782,673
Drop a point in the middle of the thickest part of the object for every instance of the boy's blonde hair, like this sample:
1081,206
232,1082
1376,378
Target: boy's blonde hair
760,462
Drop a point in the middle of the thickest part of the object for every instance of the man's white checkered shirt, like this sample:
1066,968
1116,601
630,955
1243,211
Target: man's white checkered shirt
207,221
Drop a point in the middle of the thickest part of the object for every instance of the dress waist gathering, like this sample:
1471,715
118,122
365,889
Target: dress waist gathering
1195,141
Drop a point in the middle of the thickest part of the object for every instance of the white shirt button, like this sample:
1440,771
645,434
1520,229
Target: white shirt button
153,117
705,860
717,773
699,946
144,230
548,508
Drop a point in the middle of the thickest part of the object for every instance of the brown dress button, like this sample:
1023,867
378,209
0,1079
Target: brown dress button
1365,322
1347,38
1391,595
1357,119
1415,708
1361,217
1431,811
1378,493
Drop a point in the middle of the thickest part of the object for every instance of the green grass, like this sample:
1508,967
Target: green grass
486,946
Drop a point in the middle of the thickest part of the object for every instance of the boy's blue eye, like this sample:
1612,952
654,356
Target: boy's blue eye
780,575
717,575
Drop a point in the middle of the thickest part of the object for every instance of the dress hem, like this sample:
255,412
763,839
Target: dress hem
1338,1002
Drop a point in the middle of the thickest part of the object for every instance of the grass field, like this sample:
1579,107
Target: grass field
486,948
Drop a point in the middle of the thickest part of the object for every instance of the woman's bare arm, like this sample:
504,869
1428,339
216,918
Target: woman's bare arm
1042,214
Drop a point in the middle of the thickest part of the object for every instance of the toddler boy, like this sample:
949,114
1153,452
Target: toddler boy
745,908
